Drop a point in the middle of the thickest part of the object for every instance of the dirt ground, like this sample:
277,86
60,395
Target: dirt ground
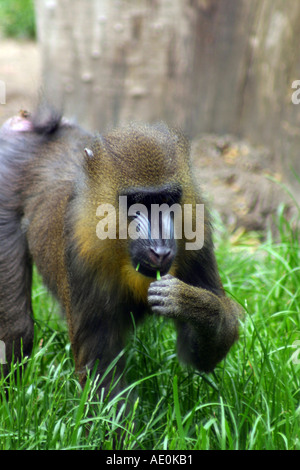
20,71
234,175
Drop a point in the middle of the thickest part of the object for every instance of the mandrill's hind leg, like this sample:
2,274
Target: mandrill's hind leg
16,322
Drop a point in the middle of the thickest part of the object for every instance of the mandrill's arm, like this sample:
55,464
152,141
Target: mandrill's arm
207,324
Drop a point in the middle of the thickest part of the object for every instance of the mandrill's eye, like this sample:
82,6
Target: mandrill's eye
138,227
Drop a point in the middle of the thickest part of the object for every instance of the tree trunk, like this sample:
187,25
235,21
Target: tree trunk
113,61
204,65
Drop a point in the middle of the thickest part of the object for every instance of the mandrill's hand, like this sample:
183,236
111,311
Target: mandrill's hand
162,296
172,298
206,323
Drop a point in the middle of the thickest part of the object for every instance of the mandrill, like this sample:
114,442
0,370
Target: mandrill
79,206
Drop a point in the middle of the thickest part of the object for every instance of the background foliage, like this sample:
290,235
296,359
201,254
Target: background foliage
17,18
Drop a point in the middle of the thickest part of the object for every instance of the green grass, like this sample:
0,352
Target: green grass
17,18
251,401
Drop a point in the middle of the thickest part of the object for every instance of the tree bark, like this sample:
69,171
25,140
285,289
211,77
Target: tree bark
113,61
204,65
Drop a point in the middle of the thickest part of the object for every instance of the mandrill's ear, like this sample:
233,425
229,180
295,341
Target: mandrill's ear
89,153
93,155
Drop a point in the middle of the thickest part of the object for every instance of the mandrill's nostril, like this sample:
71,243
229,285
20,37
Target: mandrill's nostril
159,255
